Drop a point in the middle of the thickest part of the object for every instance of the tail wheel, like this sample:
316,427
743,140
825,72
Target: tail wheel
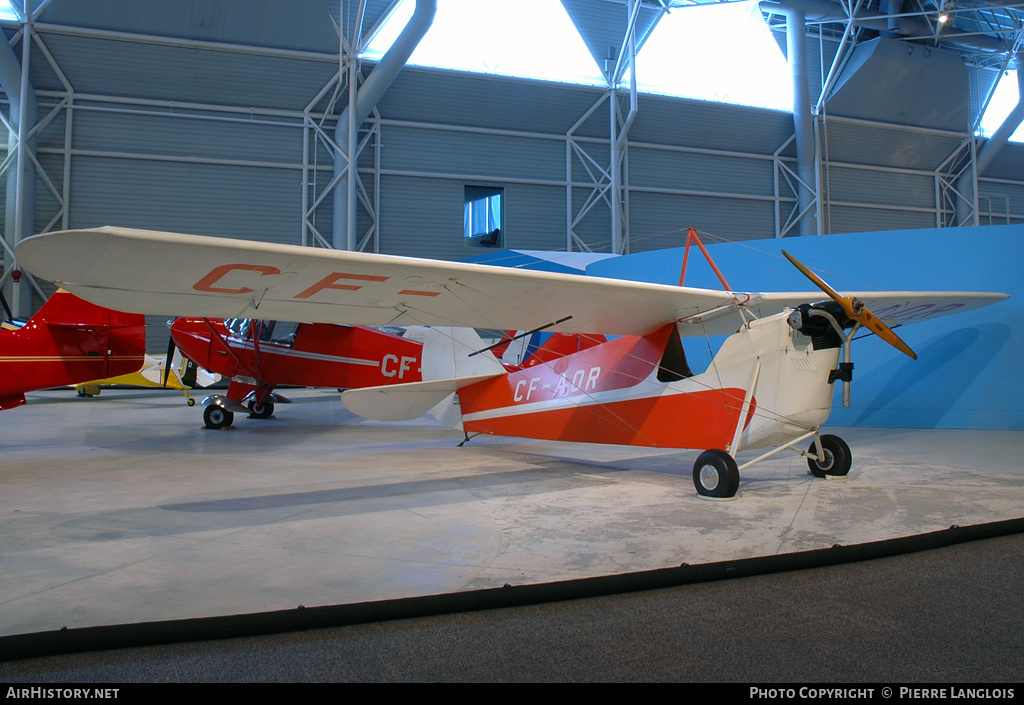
837,457
261,411
715,474
215,417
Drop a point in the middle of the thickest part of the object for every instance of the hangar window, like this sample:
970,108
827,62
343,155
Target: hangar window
483,217
1003,101
690,53
706,37
497,37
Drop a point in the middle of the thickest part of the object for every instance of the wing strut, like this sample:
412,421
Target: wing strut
220,338
691,236
508,339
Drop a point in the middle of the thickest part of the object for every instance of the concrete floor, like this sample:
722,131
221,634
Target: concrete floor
123,509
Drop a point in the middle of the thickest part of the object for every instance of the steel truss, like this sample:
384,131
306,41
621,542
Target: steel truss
318,144
361,199
21,150
606,166
987,35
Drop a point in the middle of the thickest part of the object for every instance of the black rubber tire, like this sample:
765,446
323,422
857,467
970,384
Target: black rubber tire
261,411
838,458
215,417
715,474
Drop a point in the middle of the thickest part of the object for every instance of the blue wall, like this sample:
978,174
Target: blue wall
968,373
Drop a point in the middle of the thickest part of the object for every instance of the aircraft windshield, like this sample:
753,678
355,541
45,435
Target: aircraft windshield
276,332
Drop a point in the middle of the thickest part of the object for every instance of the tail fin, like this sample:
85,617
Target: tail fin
561,344
452,359
66,310
70,341
450,353
70,317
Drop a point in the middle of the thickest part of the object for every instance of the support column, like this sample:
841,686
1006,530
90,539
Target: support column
803,122
614,170
20,221
361,104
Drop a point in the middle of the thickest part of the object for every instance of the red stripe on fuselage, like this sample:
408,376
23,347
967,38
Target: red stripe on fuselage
705,419
591,397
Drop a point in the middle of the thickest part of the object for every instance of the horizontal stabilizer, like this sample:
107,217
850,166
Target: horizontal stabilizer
400,402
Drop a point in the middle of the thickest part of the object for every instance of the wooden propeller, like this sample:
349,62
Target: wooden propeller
855,310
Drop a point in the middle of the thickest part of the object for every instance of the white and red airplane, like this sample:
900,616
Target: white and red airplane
770,384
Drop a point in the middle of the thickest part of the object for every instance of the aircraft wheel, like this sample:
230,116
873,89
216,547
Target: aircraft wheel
261,411
191,401
715,474
216,417
837,457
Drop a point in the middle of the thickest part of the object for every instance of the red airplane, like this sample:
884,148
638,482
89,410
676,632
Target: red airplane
258,356
68,341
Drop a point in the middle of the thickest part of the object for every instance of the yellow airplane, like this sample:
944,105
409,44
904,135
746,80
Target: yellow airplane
182,374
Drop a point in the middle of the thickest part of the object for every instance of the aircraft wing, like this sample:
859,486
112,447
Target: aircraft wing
894,308
174,274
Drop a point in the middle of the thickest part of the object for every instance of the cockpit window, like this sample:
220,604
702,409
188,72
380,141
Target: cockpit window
277,332
263,329
238,327
284,332
673,366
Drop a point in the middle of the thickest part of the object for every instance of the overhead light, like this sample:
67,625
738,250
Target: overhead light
947,7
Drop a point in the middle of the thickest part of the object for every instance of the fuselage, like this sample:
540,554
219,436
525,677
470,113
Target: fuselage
301,354
639,391
67,342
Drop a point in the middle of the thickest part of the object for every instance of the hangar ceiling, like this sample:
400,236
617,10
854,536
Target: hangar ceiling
985,31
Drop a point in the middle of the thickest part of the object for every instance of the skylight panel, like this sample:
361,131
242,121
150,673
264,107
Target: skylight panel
1004,100
722,52
524,38
6,11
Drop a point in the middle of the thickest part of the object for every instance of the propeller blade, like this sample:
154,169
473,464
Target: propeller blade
871,322
190,373
167,360
855,310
